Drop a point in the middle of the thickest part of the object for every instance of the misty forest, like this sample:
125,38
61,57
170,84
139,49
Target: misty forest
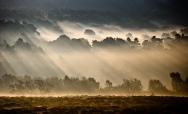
111,50
106,62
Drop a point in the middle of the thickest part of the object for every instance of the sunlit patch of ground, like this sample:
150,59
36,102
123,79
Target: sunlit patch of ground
94,104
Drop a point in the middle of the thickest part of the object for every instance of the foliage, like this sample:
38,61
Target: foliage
89,32
156,87
179,86
36,85
129,86
108,84
132,86
30,87
65,43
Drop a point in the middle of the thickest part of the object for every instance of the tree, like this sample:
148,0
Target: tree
136,41
7,80
30,86
157,43
126,86
56,82
4,46
136,85
18,88
43,86
186,84
89,32
27,85
154,43
120,42
132,86
66,81
177,82
129,40
109,41
156,86
21,45
108,84
146,44
93,84
80,43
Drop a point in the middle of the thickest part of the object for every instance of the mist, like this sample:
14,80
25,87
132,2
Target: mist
75,57
93,56
106,40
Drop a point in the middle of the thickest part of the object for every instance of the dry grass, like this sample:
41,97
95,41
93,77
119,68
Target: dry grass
94,104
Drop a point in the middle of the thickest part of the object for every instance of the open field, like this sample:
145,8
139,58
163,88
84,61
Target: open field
94,104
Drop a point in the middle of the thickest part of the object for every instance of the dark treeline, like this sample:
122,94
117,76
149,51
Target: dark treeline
20,45
65,43
17,26
36,17
29,85
9,28
173,40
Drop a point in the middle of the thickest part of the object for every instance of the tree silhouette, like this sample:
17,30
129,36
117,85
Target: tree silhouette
89,32
109,43
120,42
66,80
7,80
132,86
27,85
64,43
56,82
136,85
108,84
153,44
186,84
156,87
177,82
43,86
93,84
4,46
18,88
126,86
30,86
129,40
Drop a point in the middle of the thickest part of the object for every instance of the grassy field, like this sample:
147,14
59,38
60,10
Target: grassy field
94,105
